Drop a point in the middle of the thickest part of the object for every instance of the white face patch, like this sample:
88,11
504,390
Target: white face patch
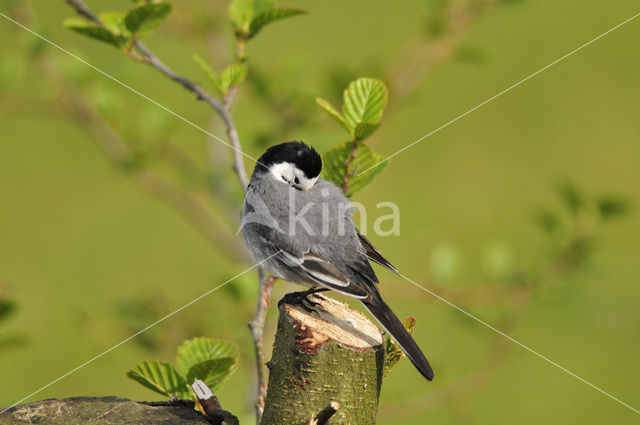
288,173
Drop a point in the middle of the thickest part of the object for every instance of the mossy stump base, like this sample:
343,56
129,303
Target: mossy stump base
332,354
103,411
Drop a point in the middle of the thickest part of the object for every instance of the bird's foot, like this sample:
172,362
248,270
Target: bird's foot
302,299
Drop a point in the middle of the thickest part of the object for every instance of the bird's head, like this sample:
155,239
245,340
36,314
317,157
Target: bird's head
292,163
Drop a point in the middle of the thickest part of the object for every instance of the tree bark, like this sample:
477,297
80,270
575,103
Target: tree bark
332,354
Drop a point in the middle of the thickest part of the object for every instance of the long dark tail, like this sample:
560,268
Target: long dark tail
396,329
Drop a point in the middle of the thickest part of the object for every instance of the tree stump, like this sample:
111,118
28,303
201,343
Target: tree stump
331,354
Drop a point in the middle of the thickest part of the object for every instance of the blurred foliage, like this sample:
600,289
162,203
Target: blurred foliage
570,230
7,309
210,360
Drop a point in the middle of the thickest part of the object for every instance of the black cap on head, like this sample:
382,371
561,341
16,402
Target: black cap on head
303,156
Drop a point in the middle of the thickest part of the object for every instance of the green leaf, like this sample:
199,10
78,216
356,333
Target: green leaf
232,75
336,160
208,71
144,19
201,349
242,13
213,372
93,30
114,22
364,101
269,16
365,129
333,113
160,377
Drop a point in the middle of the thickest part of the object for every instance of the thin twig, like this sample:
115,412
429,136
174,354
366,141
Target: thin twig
223,110
83,10
152,60
117,150
232,133
257,330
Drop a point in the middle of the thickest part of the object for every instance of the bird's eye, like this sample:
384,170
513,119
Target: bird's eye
297,180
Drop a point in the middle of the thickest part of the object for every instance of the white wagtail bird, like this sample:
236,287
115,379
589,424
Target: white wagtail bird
299,227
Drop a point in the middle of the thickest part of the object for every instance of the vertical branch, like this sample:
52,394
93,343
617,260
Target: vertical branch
232,133
149,58
257,331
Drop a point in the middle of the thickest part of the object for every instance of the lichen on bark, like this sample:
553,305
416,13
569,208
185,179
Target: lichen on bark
102,411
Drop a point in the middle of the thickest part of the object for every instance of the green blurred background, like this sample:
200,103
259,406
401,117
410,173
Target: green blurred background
89,257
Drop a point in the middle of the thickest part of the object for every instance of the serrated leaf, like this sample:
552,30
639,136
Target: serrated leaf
335,163
364,101
144,19
365,129
93,30
208,71
232,75
213,372
160,377
242,13
201,349
333,113
269,16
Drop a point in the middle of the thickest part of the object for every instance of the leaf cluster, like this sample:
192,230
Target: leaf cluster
208,359
364,101
574,227
248,17
121,29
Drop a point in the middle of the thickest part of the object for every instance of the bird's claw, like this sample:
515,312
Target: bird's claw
302,299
